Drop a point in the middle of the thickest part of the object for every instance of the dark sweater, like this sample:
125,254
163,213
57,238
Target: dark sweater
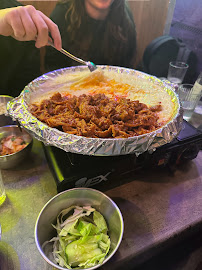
20,61
94,52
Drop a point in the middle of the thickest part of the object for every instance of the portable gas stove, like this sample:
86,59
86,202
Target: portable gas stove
73,170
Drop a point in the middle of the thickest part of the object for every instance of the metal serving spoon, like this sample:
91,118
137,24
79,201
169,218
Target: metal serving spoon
90,65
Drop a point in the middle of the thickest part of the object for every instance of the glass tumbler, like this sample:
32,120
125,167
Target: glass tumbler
177,71
188,99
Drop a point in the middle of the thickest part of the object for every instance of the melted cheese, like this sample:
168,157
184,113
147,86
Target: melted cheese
111,84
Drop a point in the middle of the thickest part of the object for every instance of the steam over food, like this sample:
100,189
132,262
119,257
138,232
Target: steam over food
98,106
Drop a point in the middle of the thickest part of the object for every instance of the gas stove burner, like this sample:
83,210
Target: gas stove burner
73,170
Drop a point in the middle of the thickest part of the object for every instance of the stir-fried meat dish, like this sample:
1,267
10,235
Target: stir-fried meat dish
97,116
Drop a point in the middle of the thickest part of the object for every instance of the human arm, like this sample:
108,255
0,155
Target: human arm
26,23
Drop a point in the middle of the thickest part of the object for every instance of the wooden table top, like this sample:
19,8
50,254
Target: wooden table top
157,208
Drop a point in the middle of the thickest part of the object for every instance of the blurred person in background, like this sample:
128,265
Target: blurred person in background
101,31
20,61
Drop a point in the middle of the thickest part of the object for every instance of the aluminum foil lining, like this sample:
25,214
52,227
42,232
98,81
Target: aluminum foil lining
18,110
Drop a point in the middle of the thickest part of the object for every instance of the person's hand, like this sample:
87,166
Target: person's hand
26,23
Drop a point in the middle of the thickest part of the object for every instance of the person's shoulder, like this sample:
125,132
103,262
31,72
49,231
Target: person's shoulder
9,4
58,15
60,9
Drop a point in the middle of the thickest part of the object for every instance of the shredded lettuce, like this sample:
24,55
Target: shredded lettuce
82,240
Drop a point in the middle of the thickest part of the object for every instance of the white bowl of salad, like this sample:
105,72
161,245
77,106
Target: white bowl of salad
79,228
15,145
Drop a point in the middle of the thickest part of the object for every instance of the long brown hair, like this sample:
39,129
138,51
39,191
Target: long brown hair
119,27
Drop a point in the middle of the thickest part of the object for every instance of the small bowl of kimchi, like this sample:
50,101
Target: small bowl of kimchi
15,145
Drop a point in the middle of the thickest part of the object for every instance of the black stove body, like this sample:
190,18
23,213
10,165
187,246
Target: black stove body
74,170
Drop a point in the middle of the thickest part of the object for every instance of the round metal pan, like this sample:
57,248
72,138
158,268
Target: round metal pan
18,109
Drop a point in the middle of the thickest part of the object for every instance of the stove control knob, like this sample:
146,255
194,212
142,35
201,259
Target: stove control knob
190,153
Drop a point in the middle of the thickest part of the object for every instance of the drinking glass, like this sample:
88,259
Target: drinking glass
177,71
2,190
188,99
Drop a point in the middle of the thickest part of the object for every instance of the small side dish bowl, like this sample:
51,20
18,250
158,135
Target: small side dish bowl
44,231
4,118
12,160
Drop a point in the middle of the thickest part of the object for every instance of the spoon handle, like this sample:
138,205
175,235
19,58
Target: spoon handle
69,54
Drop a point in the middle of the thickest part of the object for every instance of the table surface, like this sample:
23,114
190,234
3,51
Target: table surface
157,207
